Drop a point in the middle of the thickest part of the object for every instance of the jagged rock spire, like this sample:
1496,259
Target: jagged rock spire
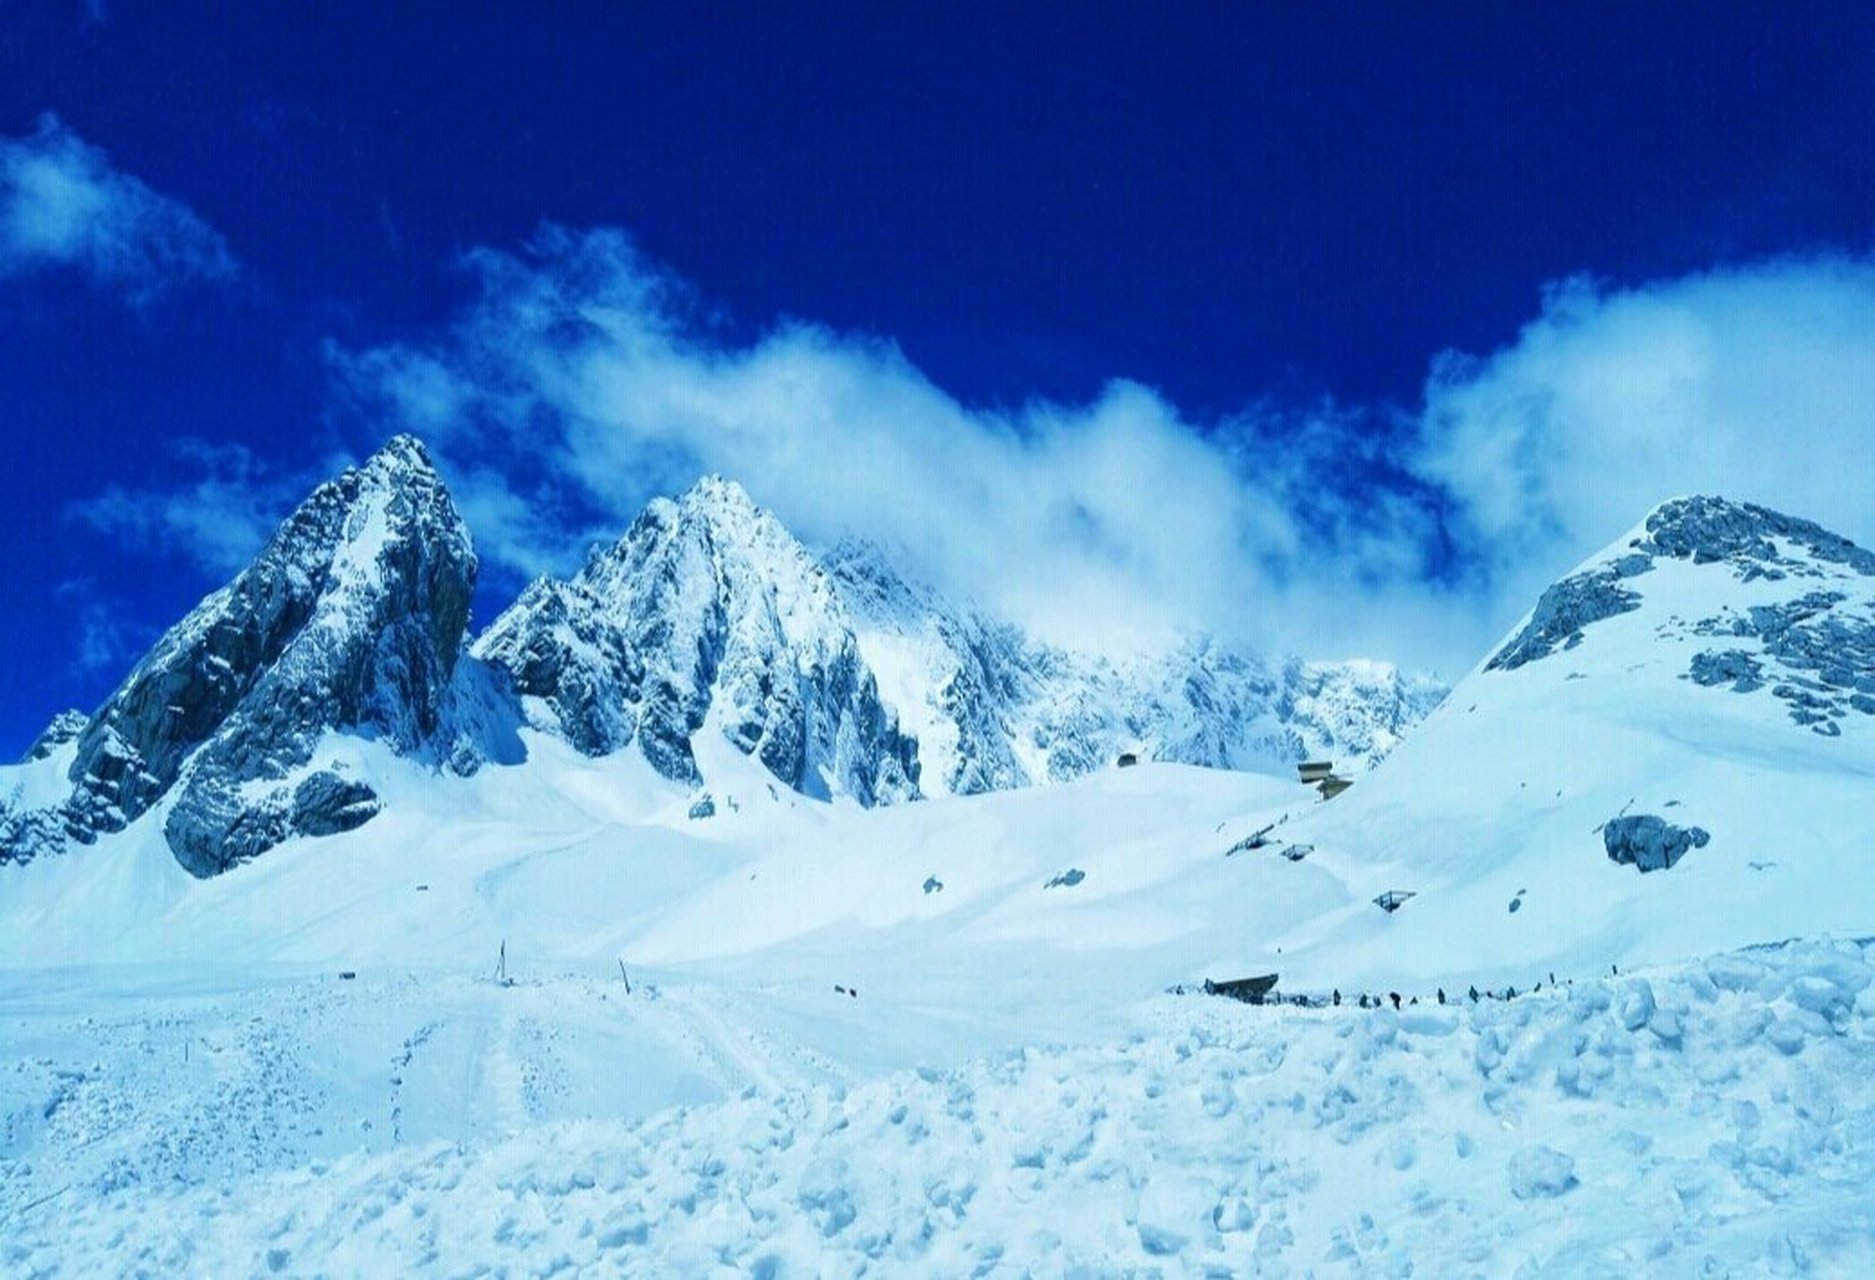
351,617
707,609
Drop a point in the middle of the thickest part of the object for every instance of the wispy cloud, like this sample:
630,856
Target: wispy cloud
216,518
106,639
1755,382
64,206
584,379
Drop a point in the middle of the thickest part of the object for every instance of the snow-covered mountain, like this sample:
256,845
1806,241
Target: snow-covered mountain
845,678
1673,754
707,610
351,619
842,678
961,1035
992,707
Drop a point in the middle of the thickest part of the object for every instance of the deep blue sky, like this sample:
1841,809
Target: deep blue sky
1223,202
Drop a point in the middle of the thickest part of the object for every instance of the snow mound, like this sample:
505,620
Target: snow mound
1705,683
1733,1130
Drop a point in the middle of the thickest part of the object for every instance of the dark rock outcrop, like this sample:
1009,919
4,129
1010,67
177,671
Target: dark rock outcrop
1648,843
1707,530
1732,667
351,618
1569,607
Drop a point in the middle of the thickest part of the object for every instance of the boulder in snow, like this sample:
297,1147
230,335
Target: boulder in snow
1649,843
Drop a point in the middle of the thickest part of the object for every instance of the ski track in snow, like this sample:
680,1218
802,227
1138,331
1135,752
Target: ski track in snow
1716,1118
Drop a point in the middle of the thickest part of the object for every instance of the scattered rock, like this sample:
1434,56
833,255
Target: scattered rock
1730,666
1649,843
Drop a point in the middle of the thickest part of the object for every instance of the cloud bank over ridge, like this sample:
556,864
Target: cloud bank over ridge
584,379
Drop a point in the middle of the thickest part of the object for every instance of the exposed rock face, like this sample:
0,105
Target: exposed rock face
1568,607
1815,649
706,609
1706,530
994,708
1648,843
351,618
1730,666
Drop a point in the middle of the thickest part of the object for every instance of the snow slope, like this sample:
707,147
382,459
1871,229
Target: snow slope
1715,1120
936,1038
1501,797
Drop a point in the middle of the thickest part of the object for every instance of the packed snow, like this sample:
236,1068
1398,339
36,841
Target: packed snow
1716,1119
581,1015
755,1043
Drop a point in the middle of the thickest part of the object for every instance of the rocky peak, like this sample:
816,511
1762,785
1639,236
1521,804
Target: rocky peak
707,606
351,617
1755,542
1784,605
1706,530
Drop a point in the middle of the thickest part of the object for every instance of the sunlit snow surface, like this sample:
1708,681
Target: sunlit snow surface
189,1086
1717,1119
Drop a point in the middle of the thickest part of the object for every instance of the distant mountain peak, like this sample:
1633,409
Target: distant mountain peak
401,452
715,492
993,707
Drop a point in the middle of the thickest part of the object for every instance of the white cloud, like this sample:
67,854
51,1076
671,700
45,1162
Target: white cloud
217,520
582,368
1757,383
584,380
62,205
106,640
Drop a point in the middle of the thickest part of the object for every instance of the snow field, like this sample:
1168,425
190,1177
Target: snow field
1714,1118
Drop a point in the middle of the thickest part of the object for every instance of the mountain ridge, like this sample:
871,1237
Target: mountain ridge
352,617
841,677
